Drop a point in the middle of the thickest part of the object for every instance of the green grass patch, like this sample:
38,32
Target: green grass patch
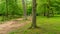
47,26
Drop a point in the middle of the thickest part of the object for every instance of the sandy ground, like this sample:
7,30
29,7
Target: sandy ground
10,25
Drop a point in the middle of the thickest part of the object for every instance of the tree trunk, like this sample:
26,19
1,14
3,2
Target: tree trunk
48,6
6,13
50,10
34,5
7,8
24,9
44,13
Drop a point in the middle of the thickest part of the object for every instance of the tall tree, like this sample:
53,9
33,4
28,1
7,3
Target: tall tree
34,5
24,9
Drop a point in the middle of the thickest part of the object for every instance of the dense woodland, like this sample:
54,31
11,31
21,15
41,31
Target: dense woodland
10,9
14,8
45,14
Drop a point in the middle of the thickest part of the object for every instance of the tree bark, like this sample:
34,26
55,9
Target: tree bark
34,5
7,8
48,6
50,10
6,13
24,9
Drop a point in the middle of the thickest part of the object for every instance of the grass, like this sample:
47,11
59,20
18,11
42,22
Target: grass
47,26
3,19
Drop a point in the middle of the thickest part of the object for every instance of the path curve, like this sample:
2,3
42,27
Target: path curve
10,25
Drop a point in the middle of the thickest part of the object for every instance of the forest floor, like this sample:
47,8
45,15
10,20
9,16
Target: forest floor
12,25
47,26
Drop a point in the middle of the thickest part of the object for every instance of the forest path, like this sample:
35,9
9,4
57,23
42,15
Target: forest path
11,25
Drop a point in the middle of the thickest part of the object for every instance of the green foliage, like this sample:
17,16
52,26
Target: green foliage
54,4
15,7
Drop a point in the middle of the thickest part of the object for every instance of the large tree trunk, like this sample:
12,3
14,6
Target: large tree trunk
24,9
34,5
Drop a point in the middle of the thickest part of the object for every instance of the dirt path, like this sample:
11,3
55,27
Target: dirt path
10,25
